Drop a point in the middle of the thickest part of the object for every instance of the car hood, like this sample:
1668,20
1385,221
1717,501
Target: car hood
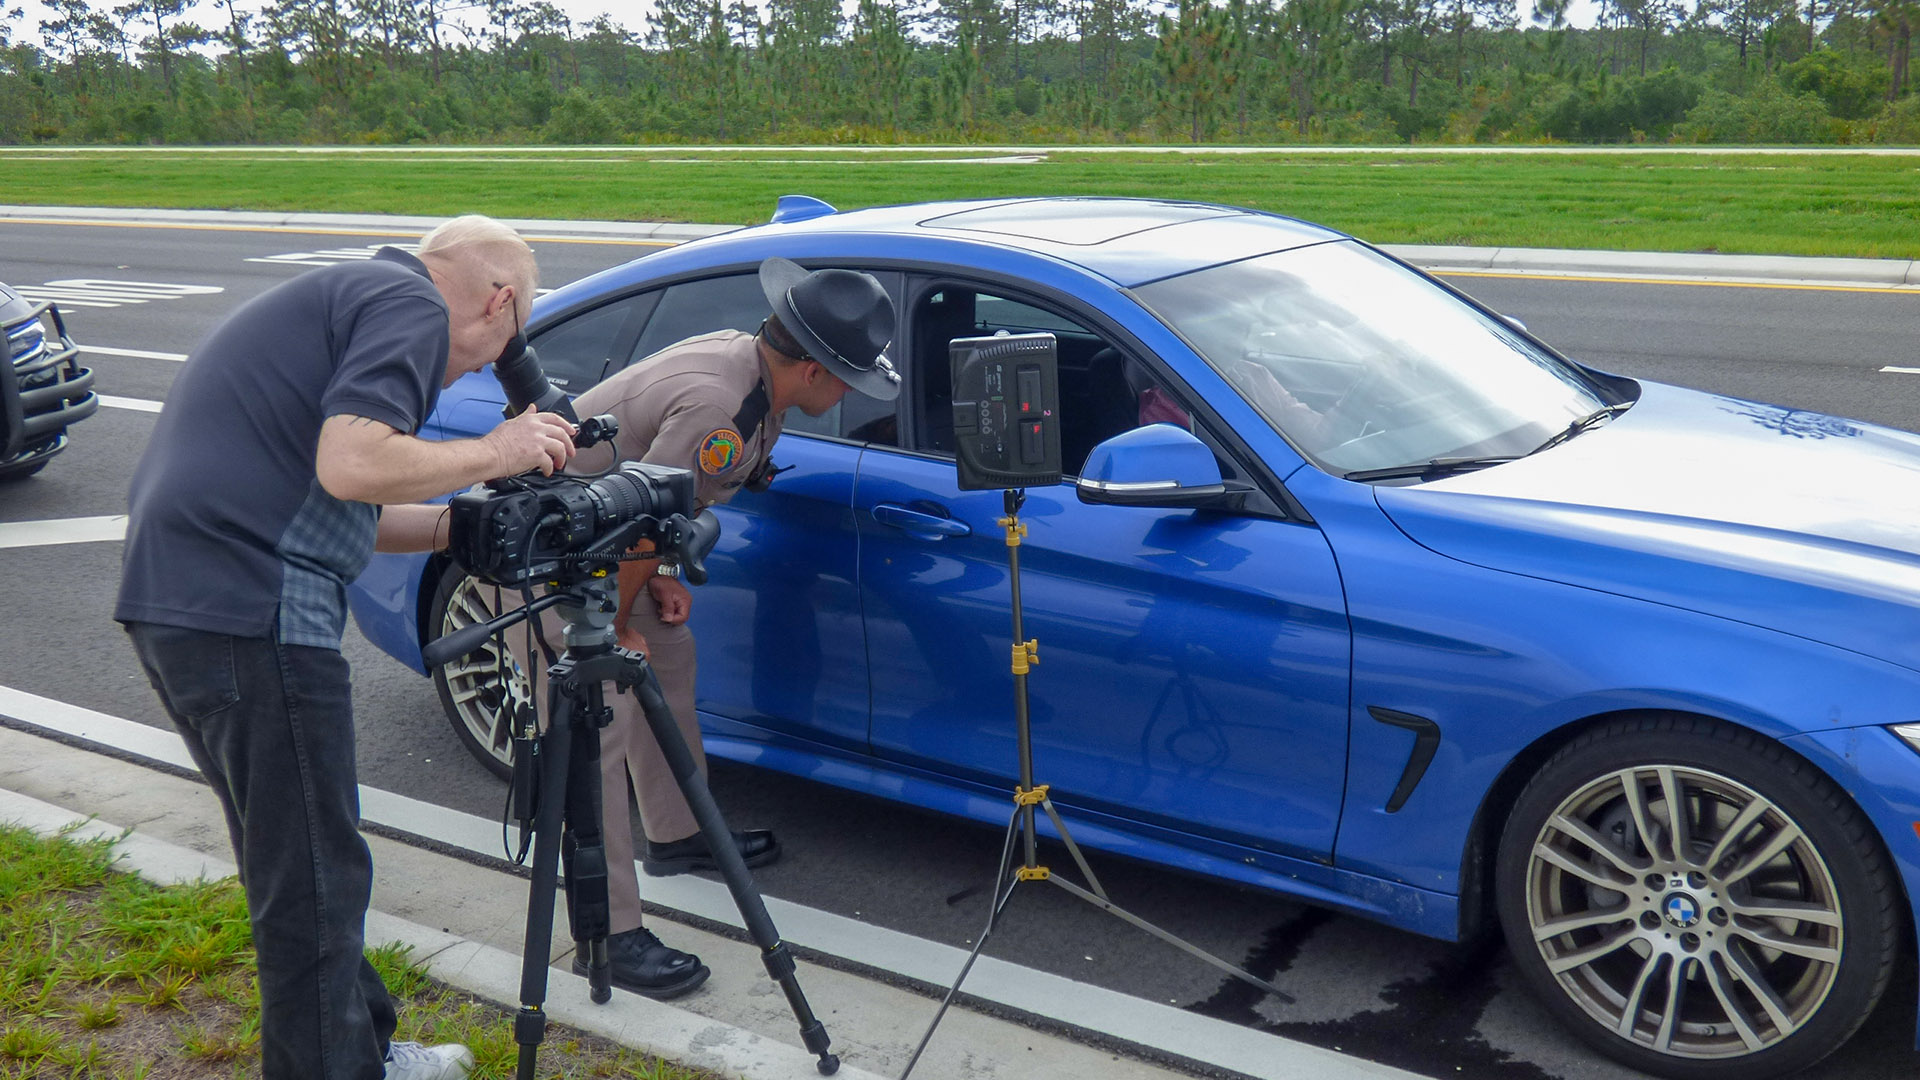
1796,521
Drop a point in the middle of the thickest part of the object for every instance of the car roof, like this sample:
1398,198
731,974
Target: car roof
1125,242
1129,241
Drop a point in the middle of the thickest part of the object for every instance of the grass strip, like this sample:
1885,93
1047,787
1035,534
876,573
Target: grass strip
1779,204
104,975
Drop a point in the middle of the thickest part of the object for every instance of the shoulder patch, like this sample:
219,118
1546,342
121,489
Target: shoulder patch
720,451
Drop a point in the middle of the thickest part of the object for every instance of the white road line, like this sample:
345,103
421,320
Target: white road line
85,530
136,404
1901,370
141,354
110,292
1134,1020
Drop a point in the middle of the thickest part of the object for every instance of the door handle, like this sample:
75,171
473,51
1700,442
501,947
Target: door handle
919,523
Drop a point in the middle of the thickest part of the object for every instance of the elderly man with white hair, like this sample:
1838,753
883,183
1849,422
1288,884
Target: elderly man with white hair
259,497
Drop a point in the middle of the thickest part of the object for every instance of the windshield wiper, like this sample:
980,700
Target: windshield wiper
1586,423
1429,470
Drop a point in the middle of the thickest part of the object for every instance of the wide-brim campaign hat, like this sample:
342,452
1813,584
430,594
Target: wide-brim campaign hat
842,318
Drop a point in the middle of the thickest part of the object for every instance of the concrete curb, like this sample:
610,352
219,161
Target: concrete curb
482,970
677,232
1814,270
434,870
1893,273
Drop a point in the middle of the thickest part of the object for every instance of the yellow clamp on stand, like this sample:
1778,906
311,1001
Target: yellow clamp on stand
1033,796
1015,530
1032,873
1025,655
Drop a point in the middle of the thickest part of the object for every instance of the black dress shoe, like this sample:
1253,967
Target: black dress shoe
757,848
646,967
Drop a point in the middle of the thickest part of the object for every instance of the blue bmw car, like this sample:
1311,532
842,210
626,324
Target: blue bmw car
1404,613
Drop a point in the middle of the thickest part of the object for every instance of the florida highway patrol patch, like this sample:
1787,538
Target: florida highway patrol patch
720,451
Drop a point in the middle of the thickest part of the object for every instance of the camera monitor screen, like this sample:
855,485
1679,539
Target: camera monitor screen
1006,410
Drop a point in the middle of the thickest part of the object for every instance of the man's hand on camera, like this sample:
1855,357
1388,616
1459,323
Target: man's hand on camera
532,440
672,598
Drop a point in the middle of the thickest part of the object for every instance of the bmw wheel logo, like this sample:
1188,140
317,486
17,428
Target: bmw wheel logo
1681,910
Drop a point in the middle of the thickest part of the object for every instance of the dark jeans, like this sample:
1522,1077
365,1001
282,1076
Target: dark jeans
271,726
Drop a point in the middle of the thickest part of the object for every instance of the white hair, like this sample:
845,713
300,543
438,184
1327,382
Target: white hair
485,248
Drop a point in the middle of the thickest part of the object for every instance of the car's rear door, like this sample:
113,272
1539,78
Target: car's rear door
1193,667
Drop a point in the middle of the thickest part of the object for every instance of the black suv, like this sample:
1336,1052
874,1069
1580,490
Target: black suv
43,388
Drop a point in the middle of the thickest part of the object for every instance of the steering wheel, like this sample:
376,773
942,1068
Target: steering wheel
1337,413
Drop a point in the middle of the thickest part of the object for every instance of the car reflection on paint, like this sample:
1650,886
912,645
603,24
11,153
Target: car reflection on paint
1414,618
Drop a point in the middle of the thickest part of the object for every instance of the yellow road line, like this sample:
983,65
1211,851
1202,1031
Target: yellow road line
1588,278
310,231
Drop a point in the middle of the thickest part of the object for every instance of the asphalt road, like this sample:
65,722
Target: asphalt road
1438,1009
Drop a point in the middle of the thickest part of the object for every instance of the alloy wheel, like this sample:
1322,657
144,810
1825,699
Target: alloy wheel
1684,911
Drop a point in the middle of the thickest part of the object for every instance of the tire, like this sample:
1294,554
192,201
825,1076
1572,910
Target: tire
471,687
1755,949
21,472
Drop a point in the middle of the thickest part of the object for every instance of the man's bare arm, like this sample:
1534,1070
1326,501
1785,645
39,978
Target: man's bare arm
412,527
362,460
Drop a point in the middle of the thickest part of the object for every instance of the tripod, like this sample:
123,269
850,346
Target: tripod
556,788
1026,797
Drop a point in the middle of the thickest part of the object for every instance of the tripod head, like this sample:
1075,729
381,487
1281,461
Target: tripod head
588,605
586,593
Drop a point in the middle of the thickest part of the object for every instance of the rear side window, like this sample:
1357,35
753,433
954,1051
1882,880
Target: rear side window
735,302
692,308
579,352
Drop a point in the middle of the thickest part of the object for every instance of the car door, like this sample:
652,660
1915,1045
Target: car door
778,622
1193,666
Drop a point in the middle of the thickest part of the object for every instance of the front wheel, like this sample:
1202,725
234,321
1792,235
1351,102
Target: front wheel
480,692
1696,901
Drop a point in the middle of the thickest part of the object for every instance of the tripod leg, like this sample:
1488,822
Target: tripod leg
1184,945
753,911
1003,885
1073,849
584,854
554,748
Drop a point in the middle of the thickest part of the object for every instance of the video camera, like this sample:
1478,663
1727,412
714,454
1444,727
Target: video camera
562,529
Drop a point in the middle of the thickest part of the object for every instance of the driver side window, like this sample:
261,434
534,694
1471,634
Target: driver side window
1103,391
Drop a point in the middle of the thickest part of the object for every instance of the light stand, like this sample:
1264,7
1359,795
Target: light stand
1029,795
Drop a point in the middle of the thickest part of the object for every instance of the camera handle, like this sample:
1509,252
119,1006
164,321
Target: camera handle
566,820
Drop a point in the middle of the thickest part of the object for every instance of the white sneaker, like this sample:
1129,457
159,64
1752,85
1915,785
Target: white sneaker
412,1061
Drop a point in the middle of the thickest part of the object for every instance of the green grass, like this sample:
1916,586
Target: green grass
104,975
1794,204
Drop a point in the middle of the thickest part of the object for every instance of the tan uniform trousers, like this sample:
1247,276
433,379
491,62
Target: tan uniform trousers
628,750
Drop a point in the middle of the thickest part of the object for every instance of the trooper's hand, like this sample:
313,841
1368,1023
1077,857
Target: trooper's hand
532,440
672,598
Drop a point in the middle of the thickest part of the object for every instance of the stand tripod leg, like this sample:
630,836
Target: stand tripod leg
1003,886
774,952
1182,944
584,854
1073,849
555,750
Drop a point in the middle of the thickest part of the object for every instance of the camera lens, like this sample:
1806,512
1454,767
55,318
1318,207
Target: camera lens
619,497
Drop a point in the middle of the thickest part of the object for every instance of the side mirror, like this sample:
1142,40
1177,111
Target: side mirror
1156,465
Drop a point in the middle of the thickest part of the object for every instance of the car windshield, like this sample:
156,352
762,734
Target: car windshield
1363,364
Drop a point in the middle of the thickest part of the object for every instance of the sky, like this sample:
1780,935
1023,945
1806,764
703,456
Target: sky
630,13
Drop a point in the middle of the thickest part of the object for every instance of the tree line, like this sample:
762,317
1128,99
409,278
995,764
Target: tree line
905,71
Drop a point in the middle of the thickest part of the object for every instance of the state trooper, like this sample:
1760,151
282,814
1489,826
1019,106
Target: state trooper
712,404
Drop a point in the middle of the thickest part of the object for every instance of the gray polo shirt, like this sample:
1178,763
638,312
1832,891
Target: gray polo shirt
228,528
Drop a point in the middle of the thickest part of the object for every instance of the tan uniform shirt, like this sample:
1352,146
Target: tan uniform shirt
677,407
